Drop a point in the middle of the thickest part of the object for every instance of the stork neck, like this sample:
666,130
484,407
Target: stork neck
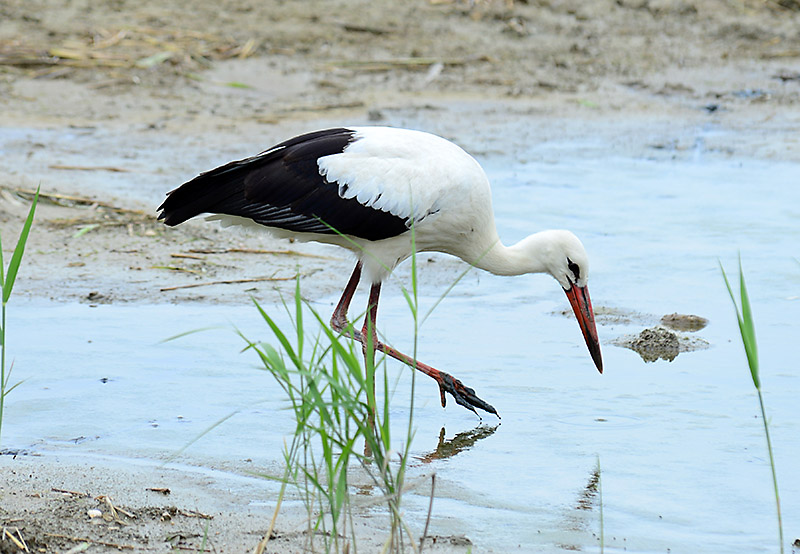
517,259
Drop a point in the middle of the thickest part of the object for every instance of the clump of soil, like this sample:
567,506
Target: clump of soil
655,343
665,337
682,322
658,342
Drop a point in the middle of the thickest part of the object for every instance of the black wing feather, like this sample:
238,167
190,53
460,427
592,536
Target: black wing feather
282,187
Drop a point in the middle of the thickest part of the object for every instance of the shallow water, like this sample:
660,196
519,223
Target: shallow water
681,446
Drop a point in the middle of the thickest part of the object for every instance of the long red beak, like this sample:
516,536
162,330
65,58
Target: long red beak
582,306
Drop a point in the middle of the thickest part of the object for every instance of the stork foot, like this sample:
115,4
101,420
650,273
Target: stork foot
463,395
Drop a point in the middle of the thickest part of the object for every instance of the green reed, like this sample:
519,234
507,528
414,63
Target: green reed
748,333
7,279
339,425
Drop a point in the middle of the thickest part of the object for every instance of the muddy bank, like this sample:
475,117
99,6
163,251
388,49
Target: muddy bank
120,104
339,50
54,503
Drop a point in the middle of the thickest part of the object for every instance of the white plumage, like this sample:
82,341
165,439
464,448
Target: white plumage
406,173
424,179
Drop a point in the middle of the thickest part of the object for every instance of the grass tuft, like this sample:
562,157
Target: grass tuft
340,426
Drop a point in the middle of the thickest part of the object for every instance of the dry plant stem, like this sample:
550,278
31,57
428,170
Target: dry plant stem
430,510
69,200
227,282
258,251
73,493
92,541
262,544
19,542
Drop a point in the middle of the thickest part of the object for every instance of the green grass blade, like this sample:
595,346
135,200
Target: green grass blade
347,356
2,267
748,333
730,291
774,472
200,436
287,346
447,291
85,229
748,330
298,309
12,387
191,332
16,257
385,429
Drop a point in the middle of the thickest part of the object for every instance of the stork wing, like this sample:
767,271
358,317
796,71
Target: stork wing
283,187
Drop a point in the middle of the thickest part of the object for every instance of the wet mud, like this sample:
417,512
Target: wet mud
666,341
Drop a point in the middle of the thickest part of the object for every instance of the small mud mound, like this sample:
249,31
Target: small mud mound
655,343
660,343
682,322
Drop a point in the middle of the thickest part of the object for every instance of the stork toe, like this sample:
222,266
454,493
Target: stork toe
462,394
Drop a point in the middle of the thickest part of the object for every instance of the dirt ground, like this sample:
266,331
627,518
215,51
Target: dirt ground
107,106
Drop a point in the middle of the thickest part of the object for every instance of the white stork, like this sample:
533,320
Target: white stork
364,188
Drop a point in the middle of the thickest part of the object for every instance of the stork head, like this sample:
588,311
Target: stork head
564,257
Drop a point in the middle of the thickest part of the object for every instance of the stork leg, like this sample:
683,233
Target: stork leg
463,395
339,321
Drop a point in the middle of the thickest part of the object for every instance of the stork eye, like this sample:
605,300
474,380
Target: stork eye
573,267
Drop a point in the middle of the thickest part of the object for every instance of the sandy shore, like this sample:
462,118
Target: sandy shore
59,501
108,107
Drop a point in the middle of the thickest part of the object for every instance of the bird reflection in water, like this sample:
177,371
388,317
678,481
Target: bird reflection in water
461,442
